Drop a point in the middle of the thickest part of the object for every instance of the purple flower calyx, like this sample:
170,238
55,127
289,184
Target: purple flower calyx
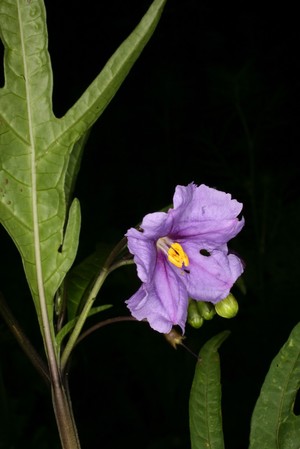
176,254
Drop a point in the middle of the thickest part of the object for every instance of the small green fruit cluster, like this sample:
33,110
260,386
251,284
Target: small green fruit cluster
199,311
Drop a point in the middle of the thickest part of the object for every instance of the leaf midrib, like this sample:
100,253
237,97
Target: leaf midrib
35,223
33,151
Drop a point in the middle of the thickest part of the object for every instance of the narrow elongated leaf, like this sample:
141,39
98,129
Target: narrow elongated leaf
205,398
95,99
274,424
39,153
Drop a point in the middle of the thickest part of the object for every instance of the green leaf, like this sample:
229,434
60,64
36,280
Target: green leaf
98,95
274,424
39,153
206,430
74,166
33,165
69,326
81,276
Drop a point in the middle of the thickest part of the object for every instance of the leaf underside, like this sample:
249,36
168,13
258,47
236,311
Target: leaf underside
39,153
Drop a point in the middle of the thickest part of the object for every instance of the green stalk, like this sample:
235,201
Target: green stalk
83,316
64,417
108,267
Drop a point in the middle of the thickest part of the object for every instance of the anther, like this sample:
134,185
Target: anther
177,256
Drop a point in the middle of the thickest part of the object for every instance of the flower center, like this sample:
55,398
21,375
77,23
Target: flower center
174,251
177,256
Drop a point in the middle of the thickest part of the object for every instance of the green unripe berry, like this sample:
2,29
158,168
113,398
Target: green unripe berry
228,307
206,310
194,317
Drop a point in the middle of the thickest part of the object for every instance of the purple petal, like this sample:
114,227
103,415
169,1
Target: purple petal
156,225
142,244
163,303
205,212
144,251
211,275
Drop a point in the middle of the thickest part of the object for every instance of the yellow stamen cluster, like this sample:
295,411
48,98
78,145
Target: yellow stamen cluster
177,256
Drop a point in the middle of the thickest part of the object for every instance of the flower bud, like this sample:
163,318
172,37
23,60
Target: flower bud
228,307
194,317
206,310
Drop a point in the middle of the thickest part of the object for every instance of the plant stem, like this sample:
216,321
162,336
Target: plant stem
64,417
107,268
62,405
23,341
83,316
97,326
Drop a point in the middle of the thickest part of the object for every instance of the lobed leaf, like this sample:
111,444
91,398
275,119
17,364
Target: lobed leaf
39,153
33,165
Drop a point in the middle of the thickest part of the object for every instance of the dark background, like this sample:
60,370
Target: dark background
214,99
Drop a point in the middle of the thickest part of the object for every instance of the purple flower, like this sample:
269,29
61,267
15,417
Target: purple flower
182,254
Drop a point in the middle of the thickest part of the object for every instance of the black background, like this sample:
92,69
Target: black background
214,99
